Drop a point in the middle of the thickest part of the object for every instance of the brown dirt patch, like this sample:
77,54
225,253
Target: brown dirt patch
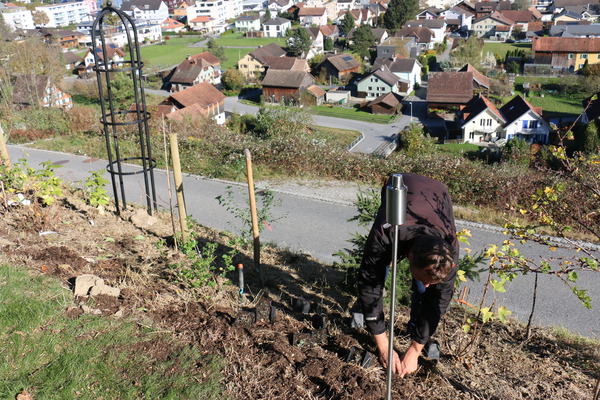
267,359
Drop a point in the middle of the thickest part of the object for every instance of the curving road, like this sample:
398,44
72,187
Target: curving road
320,227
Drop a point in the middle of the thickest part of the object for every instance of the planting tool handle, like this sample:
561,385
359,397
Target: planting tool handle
241,280
395,213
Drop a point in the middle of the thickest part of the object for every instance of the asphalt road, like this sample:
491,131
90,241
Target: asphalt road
320,228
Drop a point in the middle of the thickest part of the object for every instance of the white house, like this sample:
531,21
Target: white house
215,9
437,26
524,121
64,14
465,17
318,45
408,70
17,17
480,120
312,16
277,6
150,10
233,8
248,23
276,27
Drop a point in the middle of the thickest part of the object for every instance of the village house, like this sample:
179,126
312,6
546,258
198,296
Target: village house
247,23
114,57
278,6
252,64
523,121
423,36
286,63
407,69
449,89
312,16
38,91
276,27
570,53
317,42
378,82
394,46
437,26
339,67
494,26
386,104
151,10
195,69
199,101
480,120
487,8
316,95
171,25
285,86
202,24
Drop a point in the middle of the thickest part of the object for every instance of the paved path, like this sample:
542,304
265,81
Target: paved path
313,224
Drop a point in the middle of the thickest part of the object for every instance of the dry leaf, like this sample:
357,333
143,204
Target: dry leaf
24,396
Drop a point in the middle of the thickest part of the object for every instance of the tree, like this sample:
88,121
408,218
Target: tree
122,90
587,137
400,11
520,5
40,18
216,50
232,79
111,19
348,23
267,14
298,41
363,40
415,141
328,44
469,51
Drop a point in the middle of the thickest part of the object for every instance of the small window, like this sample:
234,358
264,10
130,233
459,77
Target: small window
584,56
570,56
370,88
489,122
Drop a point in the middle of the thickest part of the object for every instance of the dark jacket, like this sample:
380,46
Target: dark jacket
429,212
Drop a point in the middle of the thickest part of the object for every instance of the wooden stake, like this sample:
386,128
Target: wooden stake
178,185
4,157
253,214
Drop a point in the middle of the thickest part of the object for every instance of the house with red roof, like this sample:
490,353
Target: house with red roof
569,53
171,25
202,100
195,69
480,120
312,16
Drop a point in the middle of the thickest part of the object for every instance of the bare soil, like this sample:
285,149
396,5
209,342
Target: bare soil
283,358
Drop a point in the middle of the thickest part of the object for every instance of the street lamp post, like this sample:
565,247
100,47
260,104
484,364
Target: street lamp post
411,112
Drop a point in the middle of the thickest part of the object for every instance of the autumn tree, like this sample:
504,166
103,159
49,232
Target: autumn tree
40,18
363,40
298,41
398,12
469,51
348,22
232,79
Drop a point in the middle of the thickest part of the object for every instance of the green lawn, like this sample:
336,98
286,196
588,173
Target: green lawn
236,40
500,48
352,113
176,49
553,103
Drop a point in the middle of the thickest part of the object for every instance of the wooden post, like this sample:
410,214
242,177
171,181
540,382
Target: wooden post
4,157
178,185
253,214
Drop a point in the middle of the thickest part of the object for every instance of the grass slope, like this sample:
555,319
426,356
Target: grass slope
54,356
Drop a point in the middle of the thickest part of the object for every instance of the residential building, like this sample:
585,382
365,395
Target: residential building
521,18
312,16
423,36
449,89
486,8
202,24
339,67
524,121
247,23
285,86
317,43
64,14
429,13
199,101
575,30
38,91
171,25
286,63
480,120
464,17
16,17
566,52
407,69
481,83
394,46
146,30
252,65
278,6
338,96
196,69
215,9
276,27
437,26
317,94
380,81
386,104
233,9
150,10
180,12
493,26
113,57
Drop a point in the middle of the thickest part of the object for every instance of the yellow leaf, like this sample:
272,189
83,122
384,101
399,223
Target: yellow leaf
552,248
461,276
522,211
